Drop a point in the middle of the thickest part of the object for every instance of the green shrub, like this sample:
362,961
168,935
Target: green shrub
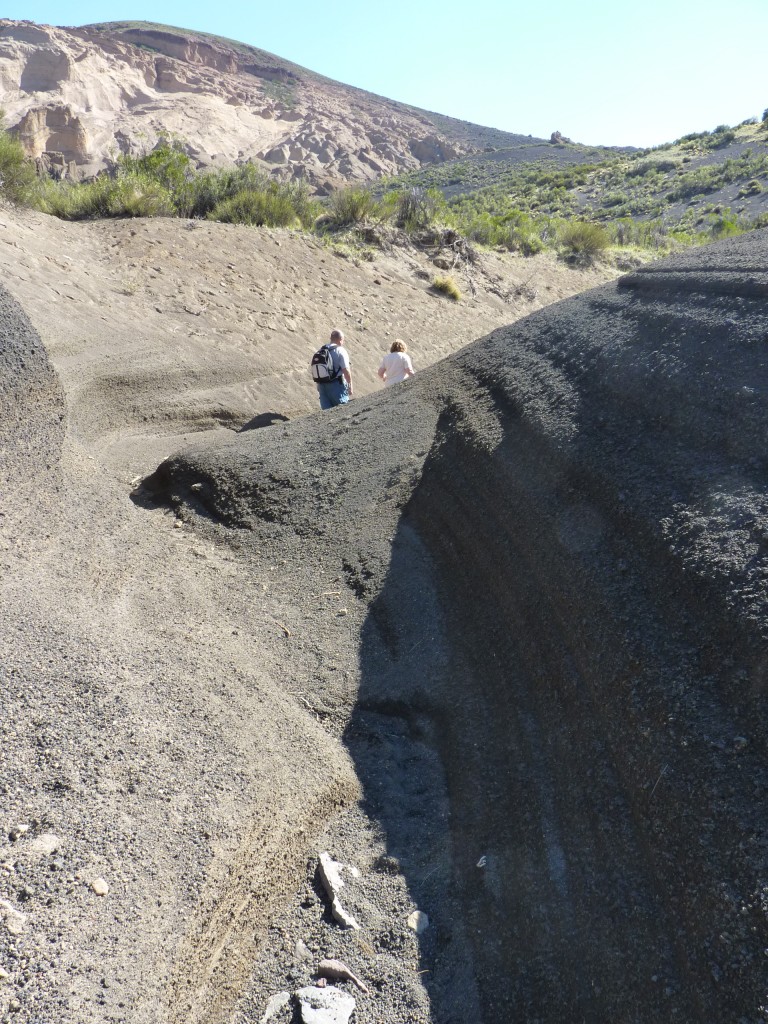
17,173
203,192
167,164
644,167
751,188
482,228
723,225
447,286
137,195
522,233
417,208
527,243
720,139
583,240
132,195
271,208
352,206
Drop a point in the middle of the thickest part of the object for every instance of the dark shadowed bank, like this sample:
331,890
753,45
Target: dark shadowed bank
559,540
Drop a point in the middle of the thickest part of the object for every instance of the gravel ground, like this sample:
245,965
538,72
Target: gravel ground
495,638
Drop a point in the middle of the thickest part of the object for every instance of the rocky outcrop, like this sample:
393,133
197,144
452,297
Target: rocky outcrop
87,93
432,150
54,132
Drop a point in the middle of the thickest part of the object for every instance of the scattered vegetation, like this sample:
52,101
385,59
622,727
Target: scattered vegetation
702,187
281,92
414,209
163,183
447,286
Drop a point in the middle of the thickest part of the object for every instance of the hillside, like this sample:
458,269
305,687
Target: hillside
488,647
79,97
710,183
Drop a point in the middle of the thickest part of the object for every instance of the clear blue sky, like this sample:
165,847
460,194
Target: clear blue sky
599,71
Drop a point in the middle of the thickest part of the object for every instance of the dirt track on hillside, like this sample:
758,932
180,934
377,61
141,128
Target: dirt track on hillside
495,636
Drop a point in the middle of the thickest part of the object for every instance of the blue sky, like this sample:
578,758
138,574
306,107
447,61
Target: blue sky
599,72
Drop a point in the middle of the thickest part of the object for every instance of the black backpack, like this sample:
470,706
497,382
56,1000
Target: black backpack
322,368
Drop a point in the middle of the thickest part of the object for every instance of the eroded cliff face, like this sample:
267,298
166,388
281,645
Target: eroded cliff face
80,97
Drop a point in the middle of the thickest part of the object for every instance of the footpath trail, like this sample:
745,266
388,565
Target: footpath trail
496,637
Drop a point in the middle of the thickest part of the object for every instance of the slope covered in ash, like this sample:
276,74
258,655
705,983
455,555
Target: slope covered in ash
557,543
31,402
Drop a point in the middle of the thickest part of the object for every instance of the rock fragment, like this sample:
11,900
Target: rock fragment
302,951
12,918
41,846
338,970
330,875
275,1005
325,1005
418,921
100,887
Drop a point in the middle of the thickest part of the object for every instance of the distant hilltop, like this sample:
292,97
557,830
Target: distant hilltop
79,97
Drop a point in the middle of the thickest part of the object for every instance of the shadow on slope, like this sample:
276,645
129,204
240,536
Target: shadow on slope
561,714
570,639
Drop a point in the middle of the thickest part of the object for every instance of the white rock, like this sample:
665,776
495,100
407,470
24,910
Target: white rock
418,921
12,919
4,976
275,1005
100,887
41,846
330,874
325,1005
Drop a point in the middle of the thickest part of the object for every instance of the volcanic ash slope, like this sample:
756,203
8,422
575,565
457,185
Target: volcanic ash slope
550,551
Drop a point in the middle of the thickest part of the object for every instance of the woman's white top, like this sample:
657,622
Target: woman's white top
396,366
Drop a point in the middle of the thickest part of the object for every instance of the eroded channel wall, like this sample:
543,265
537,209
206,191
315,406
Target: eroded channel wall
595,507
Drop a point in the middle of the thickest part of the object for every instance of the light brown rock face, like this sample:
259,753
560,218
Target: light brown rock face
86,95
54,129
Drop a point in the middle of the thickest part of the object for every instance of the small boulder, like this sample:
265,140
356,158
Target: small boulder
325,1005
418,921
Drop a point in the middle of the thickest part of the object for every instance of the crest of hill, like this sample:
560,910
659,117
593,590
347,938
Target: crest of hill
76,97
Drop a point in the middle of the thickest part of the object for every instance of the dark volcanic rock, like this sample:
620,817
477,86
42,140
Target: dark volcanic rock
561,535
31,401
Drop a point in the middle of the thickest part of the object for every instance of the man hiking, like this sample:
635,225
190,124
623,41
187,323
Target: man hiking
331,372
